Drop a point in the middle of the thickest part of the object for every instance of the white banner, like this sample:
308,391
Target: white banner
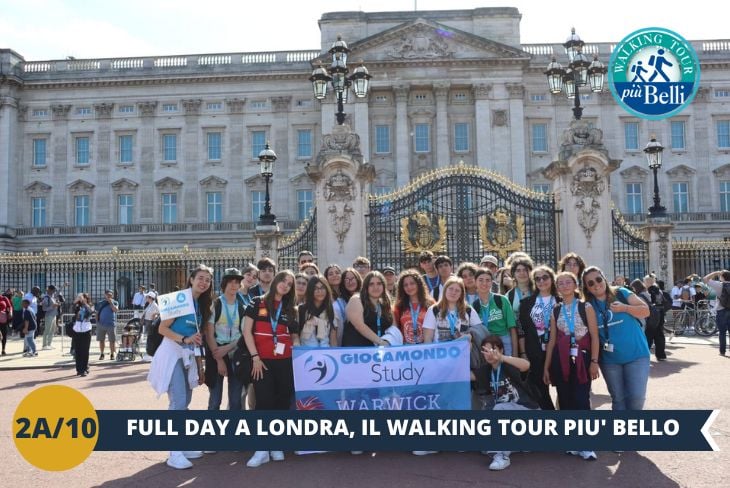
176,304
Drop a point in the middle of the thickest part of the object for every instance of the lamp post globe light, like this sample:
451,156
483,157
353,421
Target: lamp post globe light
338,77
653,151
581,72
267,157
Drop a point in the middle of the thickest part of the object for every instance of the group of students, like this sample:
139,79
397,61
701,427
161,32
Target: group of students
563,328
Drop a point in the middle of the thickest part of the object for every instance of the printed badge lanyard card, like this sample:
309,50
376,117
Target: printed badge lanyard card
603,309
229,317
483,312
433,284
197,325
547,308
495,381
379,312
274,325
414,320
570,322
452,317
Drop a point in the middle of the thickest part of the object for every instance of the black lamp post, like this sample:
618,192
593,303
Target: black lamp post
337,75
580,73
653,151
267,157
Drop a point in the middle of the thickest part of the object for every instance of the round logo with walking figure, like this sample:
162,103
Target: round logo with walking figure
654,73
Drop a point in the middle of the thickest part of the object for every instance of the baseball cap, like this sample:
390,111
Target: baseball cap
388,269
488,258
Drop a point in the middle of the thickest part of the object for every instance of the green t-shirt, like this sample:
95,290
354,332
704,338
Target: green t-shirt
498,320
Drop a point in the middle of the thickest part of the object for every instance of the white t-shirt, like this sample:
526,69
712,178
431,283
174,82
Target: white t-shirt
151,311
442,327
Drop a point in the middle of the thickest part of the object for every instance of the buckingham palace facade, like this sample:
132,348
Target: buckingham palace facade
162,151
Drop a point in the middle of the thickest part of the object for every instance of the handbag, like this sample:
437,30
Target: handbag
154,338
68,328
242,362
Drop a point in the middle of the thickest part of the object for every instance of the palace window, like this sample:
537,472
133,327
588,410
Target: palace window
677,128
81,210
126,209
423,138
723,134
215,207
304,143
680,197
631,136
305,201
258,143
214,146
169,208
634,198
258,199
382,139
38,206
39,152
461,137
82,150
126,146
725,196
169,147
539,137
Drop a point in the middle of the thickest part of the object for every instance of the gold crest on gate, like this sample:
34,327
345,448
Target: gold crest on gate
502,233
418,233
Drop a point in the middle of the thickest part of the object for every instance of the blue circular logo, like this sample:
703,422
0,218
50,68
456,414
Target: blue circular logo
180,297
324,367
654,73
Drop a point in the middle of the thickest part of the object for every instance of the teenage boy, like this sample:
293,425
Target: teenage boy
267,270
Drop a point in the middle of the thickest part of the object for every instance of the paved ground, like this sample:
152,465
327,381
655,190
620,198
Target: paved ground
695,377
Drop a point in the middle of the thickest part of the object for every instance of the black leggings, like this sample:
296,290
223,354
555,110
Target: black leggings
275,390
4,333
82,343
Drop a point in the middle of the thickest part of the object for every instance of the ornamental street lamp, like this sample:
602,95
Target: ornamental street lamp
267,157
580,73
341,83
653,151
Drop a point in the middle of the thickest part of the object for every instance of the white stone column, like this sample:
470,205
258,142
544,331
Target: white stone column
402,137
8,146
192,150
361,117
148,162
517,132
60,204
581,185
443,154
483,126
104,203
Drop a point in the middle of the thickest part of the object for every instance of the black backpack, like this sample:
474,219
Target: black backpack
154,338
724,297
652,321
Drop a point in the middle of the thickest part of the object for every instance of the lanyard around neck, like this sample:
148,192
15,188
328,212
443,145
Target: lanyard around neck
414,320
275,322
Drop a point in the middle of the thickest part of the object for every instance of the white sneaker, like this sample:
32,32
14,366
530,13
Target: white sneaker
277,455
588,455
499,462
424,453
193,454
45,348
178,461
258,458
209,452
147,358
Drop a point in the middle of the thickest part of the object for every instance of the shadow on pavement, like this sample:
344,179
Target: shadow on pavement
405,470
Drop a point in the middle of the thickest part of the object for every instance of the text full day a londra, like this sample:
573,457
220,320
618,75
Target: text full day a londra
399,427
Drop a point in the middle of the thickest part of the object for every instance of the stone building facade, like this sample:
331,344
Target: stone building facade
161,151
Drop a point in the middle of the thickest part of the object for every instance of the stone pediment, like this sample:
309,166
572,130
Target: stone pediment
254,180
723,171
168,183
124,184
681,171
80,186
635,172
425,40
299,178
213,182
38,187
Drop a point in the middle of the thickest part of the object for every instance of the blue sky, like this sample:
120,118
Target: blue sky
44,29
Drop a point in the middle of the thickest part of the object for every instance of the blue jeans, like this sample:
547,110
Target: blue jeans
179,392
627,383
235,389
723,325
30,341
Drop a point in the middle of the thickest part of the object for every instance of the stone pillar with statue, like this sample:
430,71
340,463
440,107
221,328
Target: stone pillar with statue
342,182
659,234
580,178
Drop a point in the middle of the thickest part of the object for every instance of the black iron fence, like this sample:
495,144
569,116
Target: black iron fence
303,239
699,257
121,271
630,249
464,212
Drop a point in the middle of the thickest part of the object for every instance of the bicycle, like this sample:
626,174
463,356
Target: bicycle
701,320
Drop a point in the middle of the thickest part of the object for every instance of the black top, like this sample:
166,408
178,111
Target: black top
352,338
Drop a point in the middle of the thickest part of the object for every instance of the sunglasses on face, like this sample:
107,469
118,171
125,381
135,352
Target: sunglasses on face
591,283
538,279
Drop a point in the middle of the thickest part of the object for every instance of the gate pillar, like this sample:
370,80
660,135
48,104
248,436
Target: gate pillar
659,233
580,179
342,181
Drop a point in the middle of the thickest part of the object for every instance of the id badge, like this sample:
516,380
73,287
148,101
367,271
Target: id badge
574,352
544,346
608,347
279,348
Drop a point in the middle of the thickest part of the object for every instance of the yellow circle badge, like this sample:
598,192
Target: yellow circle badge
55,428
